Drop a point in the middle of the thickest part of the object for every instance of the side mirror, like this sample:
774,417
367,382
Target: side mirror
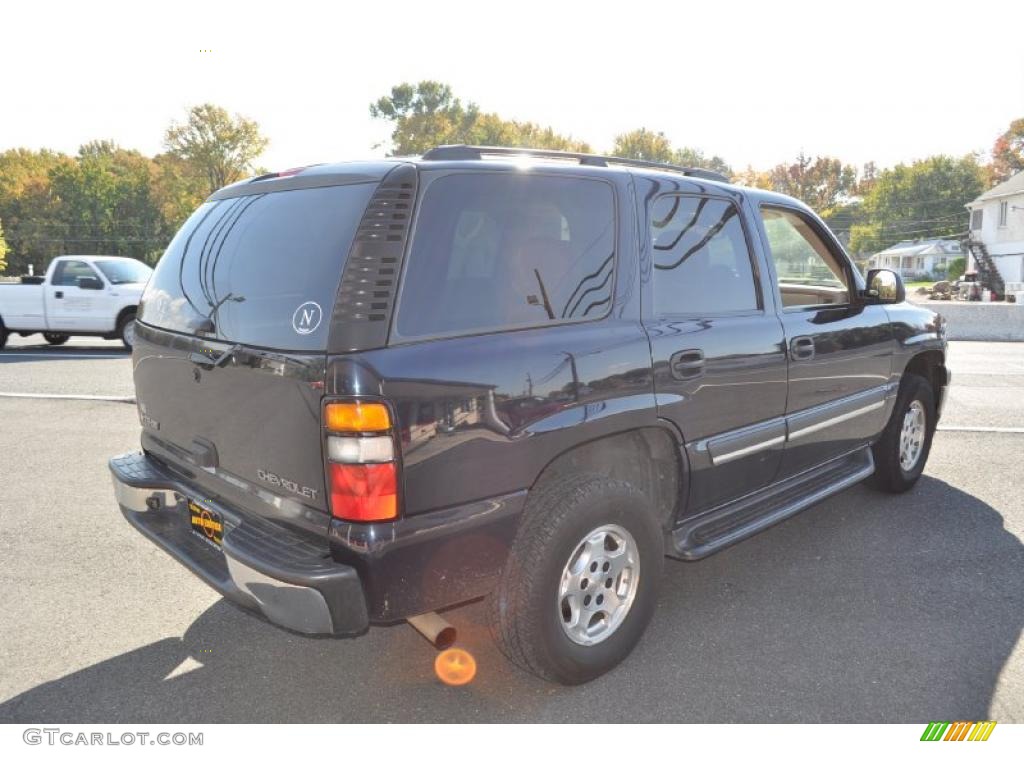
90,283
884,287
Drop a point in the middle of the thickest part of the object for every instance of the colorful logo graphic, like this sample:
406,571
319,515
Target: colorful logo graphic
959,731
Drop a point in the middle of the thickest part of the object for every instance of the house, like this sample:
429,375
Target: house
918,258
997,230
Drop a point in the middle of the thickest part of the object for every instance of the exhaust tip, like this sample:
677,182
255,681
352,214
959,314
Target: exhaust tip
439,632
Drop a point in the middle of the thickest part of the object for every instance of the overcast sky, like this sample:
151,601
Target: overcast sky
755,83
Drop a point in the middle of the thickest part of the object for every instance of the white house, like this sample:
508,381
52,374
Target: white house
997,222
918,258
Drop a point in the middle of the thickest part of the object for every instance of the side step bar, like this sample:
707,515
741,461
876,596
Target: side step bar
716,529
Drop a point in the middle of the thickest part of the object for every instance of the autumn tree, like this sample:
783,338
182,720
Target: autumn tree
221,148
923,199
820,182
1008,152
644,144
428,114
3,248
27,207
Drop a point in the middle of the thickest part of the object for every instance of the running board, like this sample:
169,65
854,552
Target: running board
716,529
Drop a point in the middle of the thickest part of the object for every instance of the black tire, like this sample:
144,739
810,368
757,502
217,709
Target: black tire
3,337
525,615
890,475
127,320
56,338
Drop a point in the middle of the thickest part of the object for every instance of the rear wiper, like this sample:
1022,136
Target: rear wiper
208,324
201,358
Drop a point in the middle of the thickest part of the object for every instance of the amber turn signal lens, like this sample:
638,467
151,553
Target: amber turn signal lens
455,666
356,417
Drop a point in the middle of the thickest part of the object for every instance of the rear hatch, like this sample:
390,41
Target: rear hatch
232,336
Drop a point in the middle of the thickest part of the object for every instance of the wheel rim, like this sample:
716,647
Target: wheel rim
912,435
599,585
128,334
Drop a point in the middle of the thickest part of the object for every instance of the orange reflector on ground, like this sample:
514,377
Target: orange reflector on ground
455,666
356,417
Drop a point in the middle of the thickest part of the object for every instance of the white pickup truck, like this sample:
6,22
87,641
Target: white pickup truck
79,296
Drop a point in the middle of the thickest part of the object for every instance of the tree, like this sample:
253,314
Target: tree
821,182
642,144
428,114
220,148
3,248
920,200
1008,152
105,204
27,208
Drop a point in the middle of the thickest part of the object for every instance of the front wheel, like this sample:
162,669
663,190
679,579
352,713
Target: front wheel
56,339
902,451
581,580
126,330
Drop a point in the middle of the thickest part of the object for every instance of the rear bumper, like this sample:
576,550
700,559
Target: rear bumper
261,566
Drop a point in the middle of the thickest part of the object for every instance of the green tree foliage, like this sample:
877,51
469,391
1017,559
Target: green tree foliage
221,148
923,199
956,267
1008,152
644,144
106,203
428,114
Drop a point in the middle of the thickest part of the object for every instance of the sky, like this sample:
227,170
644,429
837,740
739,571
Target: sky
756,83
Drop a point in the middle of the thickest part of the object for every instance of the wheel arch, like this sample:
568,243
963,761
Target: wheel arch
931,365
649,458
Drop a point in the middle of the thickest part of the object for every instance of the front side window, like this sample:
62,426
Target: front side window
68,272
809,274
701,260
508,250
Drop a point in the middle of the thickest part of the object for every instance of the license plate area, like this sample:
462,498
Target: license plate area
206,524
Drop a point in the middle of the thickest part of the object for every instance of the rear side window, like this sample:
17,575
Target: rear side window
508,250
261,269
68,272
701,260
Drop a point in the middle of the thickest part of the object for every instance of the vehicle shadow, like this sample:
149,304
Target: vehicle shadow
859,610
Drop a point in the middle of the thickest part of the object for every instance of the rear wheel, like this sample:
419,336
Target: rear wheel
55,338
902,451
126,330
581,580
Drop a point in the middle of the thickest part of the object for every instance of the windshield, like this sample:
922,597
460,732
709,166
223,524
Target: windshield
119,272
260,269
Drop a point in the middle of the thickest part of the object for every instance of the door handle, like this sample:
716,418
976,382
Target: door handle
801,348
687,364
58,294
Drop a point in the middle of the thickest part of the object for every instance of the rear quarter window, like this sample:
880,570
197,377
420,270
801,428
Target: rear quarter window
496,251
264,267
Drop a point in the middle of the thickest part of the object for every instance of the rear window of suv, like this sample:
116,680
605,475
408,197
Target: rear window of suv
506,250
263,268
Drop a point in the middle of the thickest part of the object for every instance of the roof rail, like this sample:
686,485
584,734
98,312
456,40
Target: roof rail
471,152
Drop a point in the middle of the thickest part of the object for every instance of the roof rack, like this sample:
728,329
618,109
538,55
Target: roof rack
471,152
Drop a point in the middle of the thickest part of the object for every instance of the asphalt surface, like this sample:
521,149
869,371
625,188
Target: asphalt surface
865,608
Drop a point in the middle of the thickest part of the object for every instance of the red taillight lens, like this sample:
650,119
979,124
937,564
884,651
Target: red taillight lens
364,492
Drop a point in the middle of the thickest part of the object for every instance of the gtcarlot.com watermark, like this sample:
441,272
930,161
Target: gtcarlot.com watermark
59,736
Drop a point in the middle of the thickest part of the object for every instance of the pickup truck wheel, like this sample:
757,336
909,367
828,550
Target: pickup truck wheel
126,330
902,451
55,338
581,580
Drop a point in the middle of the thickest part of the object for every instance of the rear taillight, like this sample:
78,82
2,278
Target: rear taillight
361,469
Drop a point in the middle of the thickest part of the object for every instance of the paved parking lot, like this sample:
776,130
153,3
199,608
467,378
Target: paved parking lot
865,608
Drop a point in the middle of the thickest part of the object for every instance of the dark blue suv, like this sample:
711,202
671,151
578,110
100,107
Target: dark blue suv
369,391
